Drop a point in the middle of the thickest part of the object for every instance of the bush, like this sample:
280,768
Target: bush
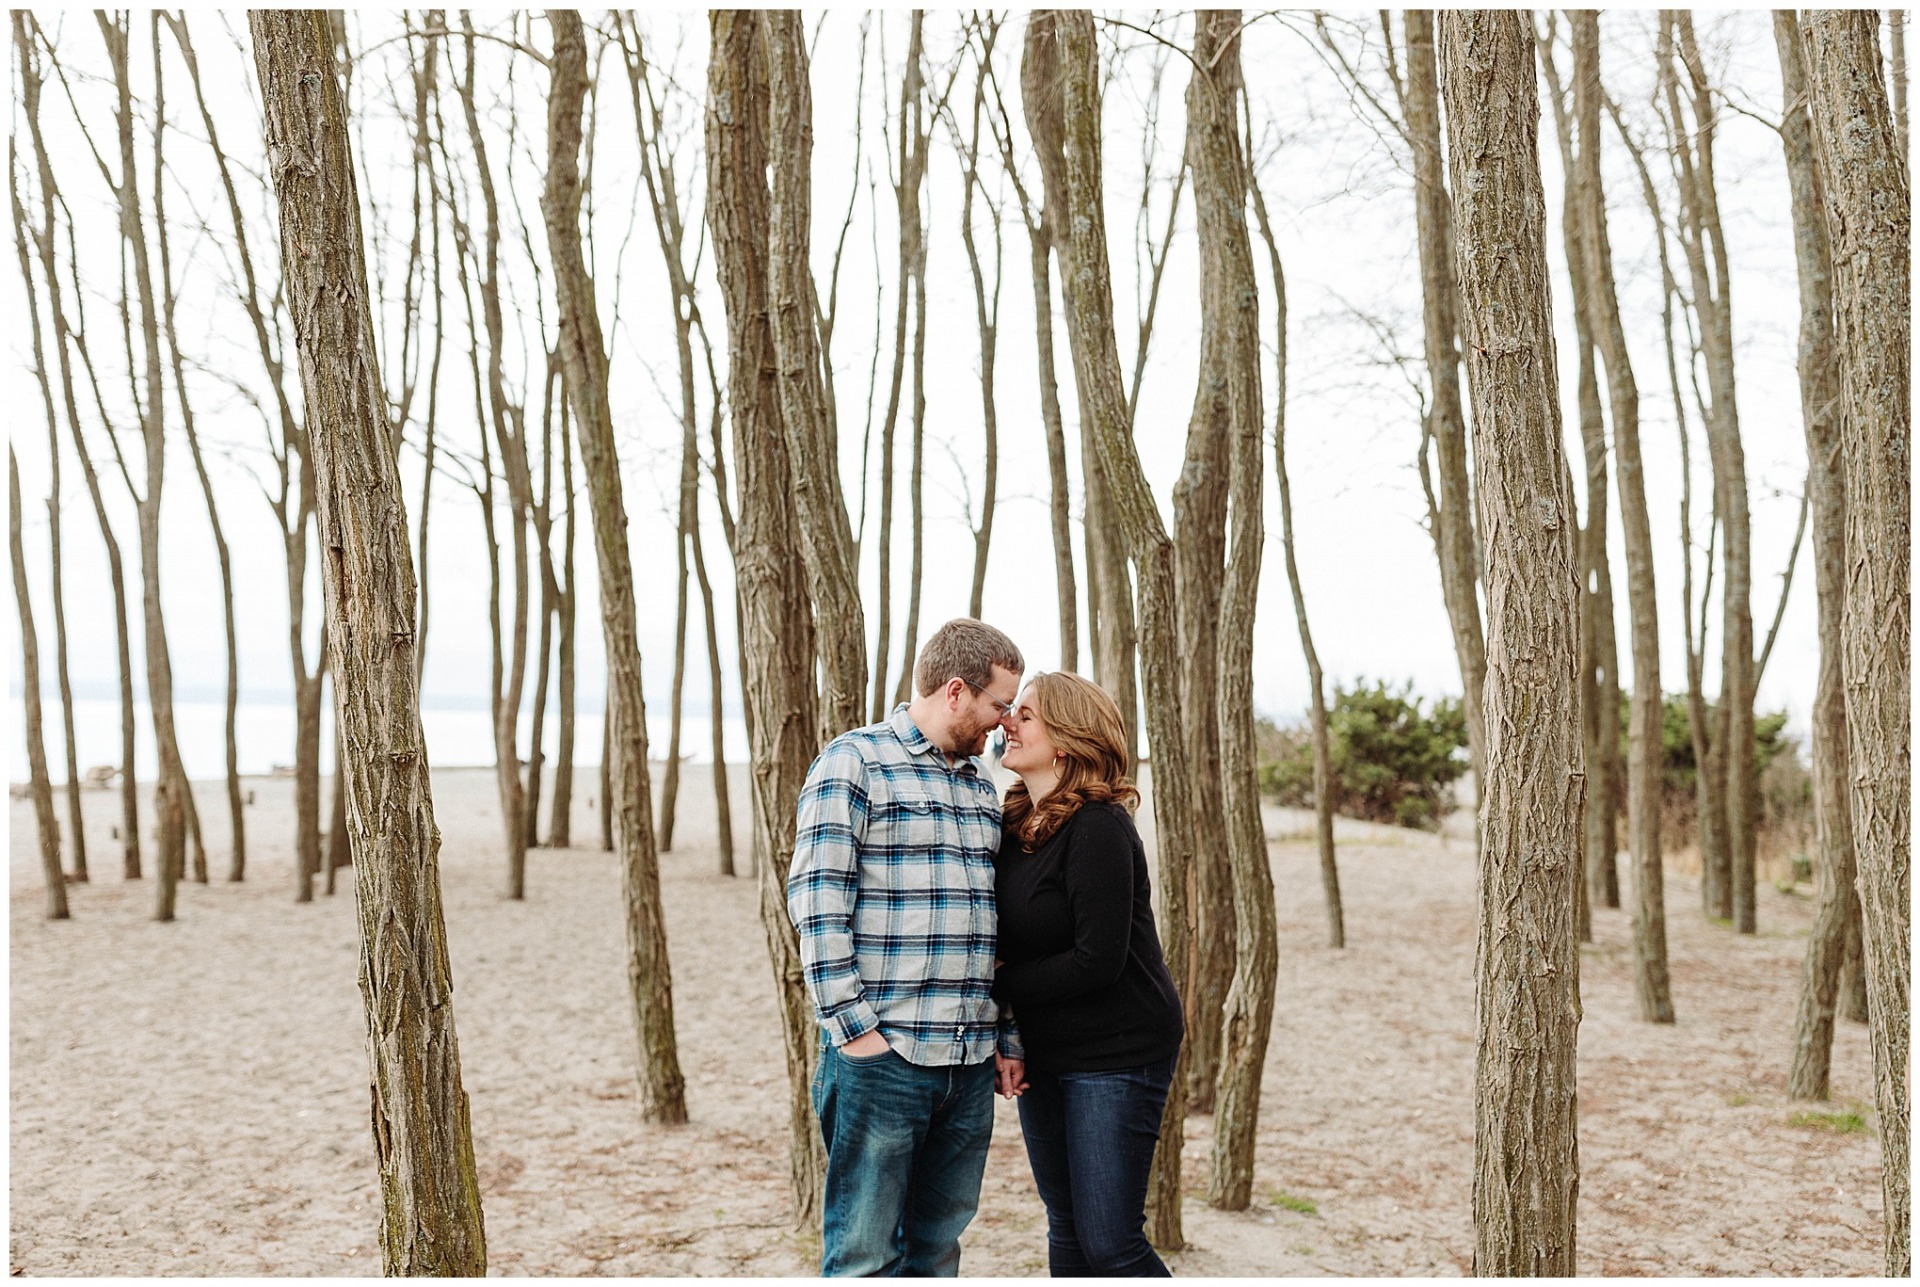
1785,787
1392,761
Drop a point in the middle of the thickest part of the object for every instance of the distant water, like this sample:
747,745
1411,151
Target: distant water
264,732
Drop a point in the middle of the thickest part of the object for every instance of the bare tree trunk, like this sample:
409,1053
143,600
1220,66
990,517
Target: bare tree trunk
606,773
1869,223
776,616
906,192
1454,531
1111,623
560,827
1599,646
826,536
46,822
43,236
339,848
1644,749
1705,247
1200,499
431,1221
1317,694
549,608
1526,1154
236,803
293,505
1040,238
509,431
1060,52
670,788
427,100
75,821
1821,411
1231,310
584,355
170,788
986,307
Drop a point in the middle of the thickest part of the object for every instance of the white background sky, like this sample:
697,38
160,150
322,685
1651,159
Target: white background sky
1340,192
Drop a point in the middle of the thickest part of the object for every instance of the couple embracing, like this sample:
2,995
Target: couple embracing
955,947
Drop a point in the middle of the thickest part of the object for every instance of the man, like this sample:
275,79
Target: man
892,892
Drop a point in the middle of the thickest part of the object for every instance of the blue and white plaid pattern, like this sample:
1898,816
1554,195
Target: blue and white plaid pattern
892,892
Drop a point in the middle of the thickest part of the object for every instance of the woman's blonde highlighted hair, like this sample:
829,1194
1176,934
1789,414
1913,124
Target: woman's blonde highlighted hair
1083,723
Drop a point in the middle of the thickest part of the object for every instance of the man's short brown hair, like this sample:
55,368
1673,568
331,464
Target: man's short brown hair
966,648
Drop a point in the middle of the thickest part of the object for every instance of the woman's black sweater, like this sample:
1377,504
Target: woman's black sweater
1083,970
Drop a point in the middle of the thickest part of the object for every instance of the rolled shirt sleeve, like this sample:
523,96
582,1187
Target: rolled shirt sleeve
822,886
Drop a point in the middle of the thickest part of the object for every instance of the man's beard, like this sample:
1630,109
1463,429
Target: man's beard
974,743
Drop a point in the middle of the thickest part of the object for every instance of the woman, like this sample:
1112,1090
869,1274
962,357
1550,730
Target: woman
1083,973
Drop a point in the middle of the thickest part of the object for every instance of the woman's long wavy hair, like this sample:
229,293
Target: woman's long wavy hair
1084,725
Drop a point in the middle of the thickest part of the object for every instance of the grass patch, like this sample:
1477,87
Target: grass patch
1305,1206
1844,1123
1738,1101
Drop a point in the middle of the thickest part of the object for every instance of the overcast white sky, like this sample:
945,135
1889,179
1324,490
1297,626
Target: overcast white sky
1341,197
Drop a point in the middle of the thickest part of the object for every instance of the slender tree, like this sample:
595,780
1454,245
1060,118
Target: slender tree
1316,681
986,307
64,341
1599,645
1869,223
1644,739
1040,238
75,820
1060,53
508,417
236,801
584,354
46,821
1822,410
430,1191
1729,874
292,501
170,787
776,613
1111,622
1454,523
1526,1157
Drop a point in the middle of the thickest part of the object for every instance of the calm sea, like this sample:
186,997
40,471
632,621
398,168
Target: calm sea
264,732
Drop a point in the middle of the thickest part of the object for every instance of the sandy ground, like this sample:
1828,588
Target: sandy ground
191,1098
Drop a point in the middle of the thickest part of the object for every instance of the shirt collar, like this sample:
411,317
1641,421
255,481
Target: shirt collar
918,743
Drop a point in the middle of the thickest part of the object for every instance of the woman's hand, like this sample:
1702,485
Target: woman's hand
1009,1076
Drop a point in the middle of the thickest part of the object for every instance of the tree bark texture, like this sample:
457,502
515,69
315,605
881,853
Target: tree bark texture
1527,999
776,614
1822,411
1111,623
826,538
1433,221
1869,224
583,355
1651,981
1067,56
40,785
1200,499
431,1220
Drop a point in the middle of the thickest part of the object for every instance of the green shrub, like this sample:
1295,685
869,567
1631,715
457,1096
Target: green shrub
1392,761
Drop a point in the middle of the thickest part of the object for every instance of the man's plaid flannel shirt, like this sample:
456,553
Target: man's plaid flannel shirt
892,892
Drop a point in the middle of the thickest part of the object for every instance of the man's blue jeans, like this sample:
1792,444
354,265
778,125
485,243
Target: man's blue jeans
1090,1141
906,1147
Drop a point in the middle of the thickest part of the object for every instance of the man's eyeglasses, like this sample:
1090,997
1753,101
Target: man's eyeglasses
1005,709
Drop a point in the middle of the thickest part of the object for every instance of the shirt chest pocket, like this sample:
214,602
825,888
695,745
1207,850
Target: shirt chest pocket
917,822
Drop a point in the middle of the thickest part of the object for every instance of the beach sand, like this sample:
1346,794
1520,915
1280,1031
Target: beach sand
191,1098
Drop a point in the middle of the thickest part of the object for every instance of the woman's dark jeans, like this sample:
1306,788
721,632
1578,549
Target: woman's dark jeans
1090,1141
